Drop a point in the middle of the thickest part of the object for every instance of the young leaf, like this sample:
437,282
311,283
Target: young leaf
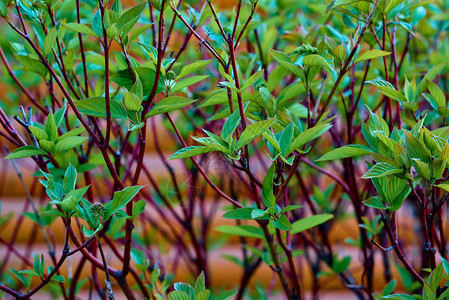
345,152
370,54
69,143
80,28
250,81
308,135
242,230
253,131
169,104
189,69
239,213
50,40
190,151
230,125
388,90
120,200
282,223
25,151
375,202
267,187
186,82
309,222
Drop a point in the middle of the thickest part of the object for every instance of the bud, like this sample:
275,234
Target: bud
171,75
97,210
132,101
305,49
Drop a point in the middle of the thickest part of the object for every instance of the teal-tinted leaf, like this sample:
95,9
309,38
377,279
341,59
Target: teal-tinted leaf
259,214
96,107
282,223
242,230
69,143
190,151
25,151
189,69
285,140
240,213
309,222
253,131
370,54
345,152
381,169
399,297
58,278
80,28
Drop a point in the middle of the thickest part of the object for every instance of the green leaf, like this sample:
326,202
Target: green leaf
308,135
370,54
422,168
381,169
388,89
399,297
73,132
120,200
50,40
375,202
146,75
309,222
186,82
200,285
267,187
225,295
189,69
289,208
178,295
58,278
50,127
25,151
345,152
80,28
242,230
240,213
169,104
190,151
230,125
96,107
253,131
285,140
437,93
250,81
138,208
69,143
203,295
69,179
443,186
415,148
128,19
40,134
282,223
316,60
